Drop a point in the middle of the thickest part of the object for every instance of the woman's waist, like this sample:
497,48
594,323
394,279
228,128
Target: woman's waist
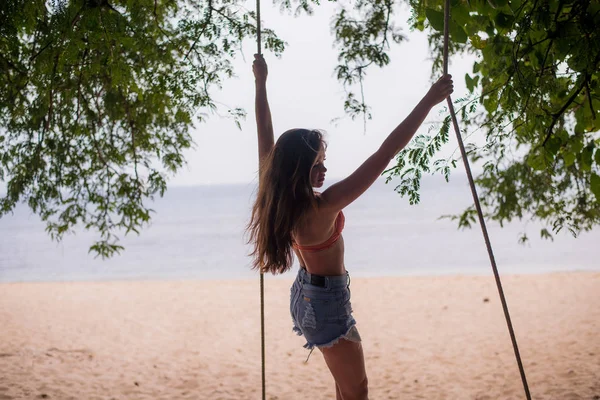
329,278
327,263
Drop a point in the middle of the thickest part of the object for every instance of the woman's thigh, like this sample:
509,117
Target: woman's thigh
346,362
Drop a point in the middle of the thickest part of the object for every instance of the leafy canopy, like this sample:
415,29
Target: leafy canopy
97,99
535,94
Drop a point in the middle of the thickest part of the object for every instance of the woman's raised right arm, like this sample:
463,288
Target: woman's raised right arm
346,191
264,124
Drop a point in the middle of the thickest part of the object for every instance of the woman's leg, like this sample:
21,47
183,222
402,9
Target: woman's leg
346,362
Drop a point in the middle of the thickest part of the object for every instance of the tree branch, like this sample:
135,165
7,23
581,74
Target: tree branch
156,19
589,96
132,127
545,58
108,42
79,83
51,96
556,116
207,20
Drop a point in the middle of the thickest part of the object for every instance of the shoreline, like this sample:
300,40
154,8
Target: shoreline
290,275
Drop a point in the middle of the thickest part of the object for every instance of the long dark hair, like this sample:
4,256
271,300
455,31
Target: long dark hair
284,195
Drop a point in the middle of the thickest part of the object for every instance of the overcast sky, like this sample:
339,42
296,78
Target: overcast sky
303,92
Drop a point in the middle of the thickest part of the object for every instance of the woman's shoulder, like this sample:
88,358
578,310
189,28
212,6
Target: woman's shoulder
324,208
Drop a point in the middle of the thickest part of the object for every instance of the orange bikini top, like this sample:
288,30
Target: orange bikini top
337,232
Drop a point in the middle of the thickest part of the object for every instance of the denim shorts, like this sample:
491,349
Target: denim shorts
322,314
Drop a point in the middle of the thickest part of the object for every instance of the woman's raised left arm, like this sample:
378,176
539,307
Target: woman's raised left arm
264,123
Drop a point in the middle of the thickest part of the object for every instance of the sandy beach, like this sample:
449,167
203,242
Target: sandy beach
441,337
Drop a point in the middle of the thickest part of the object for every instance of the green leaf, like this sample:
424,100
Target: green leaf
586,157
515,5
594,10
553,145
469,82
503,21
435,18
577,62
545,234
458,34
569,157
479,44
541,160
460,15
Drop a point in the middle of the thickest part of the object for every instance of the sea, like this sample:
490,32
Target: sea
198,232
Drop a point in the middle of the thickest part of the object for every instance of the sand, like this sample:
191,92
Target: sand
424,338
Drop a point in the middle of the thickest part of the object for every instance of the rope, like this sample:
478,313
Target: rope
478,207
262,275
258,30
262,332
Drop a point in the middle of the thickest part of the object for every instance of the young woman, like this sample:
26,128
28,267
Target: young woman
289,217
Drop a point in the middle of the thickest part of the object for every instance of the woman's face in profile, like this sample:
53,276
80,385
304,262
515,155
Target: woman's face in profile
317,172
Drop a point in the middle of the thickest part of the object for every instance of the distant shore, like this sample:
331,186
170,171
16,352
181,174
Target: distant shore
436,337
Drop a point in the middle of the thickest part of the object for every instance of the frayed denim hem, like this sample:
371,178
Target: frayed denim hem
351,335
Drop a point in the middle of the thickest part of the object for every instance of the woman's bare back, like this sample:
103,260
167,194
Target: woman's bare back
317,228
